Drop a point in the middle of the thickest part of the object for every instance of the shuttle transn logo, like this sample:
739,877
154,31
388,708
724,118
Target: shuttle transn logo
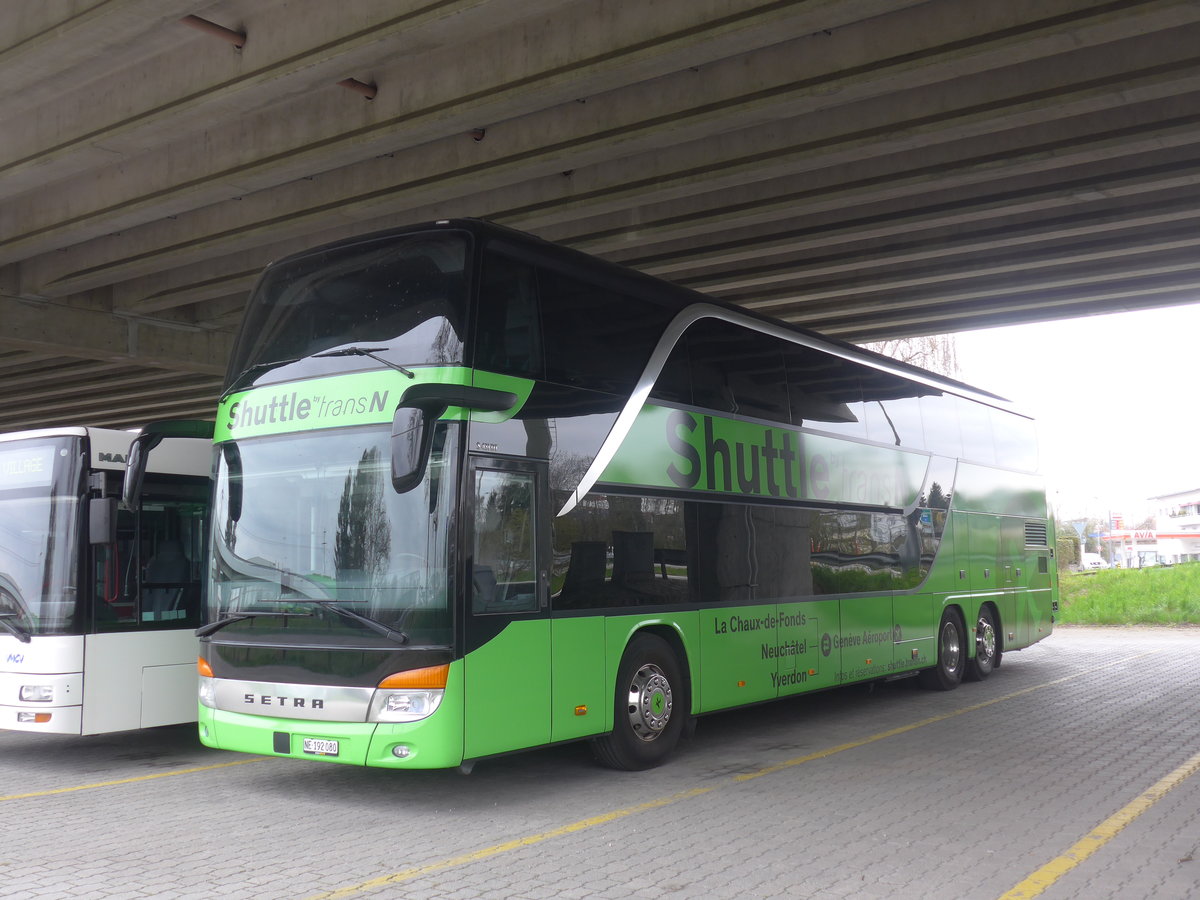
295,407
365,398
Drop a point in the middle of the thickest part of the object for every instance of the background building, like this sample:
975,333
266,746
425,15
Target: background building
1174,539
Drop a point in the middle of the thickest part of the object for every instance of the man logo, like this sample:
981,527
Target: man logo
112,457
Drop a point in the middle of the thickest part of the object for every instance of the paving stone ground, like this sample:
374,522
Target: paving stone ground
962,794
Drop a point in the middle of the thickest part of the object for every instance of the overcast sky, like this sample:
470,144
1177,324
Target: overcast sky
1115,398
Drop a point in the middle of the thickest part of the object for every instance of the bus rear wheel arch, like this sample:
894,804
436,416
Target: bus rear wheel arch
650,706
951,653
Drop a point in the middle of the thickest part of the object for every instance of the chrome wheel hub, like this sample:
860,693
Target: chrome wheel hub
650,702
951,647
985,640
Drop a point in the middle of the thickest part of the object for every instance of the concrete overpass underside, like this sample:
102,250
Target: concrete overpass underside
866,168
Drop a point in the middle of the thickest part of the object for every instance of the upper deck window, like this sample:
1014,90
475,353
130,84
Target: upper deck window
406,293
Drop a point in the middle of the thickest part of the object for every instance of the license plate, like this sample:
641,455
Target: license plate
320,747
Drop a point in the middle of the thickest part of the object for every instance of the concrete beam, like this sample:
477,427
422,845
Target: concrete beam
448,169
1014,249
94,334
50,48
116,411
494,71
199,81
1008,218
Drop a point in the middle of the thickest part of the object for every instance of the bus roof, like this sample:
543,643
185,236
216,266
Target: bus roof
551,252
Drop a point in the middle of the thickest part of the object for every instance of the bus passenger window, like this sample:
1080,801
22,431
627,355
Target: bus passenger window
616,551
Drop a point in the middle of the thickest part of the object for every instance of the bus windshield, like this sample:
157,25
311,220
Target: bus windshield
405,298
39,528
313,547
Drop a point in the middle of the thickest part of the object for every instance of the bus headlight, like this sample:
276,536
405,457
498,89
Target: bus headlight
409,696
208,692
404,706
37,693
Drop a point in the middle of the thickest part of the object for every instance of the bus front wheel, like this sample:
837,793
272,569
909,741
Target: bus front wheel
650,707
952,654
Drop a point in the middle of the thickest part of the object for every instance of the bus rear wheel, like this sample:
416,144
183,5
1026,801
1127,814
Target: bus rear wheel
952,655
650,707
987,647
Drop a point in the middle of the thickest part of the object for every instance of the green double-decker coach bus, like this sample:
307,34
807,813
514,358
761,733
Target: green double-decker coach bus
476,493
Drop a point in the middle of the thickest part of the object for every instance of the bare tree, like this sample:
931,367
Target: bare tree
935,352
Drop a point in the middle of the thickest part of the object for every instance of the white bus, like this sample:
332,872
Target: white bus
99,603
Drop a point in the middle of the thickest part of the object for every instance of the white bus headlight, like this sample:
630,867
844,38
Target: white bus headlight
409,696
208,692
37,693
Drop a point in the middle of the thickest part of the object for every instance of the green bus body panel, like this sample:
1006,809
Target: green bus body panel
732,671
867,637
915,619
339,401
507,684
581,678
435,742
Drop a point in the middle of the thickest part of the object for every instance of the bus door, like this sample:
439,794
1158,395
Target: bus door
140,659
507,663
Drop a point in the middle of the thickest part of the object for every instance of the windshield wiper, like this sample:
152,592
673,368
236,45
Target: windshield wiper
17,631
211,627
259,368
335,606
368,351
378,627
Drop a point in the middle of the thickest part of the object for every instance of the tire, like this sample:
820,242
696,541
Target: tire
650,707
987,646
952,654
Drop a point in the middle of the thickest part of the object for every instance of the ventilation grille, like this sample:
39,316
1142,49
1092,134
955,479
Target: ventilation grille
1036,534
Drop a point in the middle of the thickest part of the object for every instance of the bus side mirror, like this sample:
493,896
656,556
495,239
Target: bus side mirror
233,464
412,438
412,424
102,520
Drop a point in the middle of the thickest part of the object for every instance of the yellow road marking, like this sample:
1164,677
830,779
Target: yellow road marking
100,784
496,849
1100,835
850,745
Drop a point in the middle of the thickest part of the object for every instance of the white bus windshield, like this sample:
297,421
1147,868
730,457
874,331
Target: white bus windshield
39,528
